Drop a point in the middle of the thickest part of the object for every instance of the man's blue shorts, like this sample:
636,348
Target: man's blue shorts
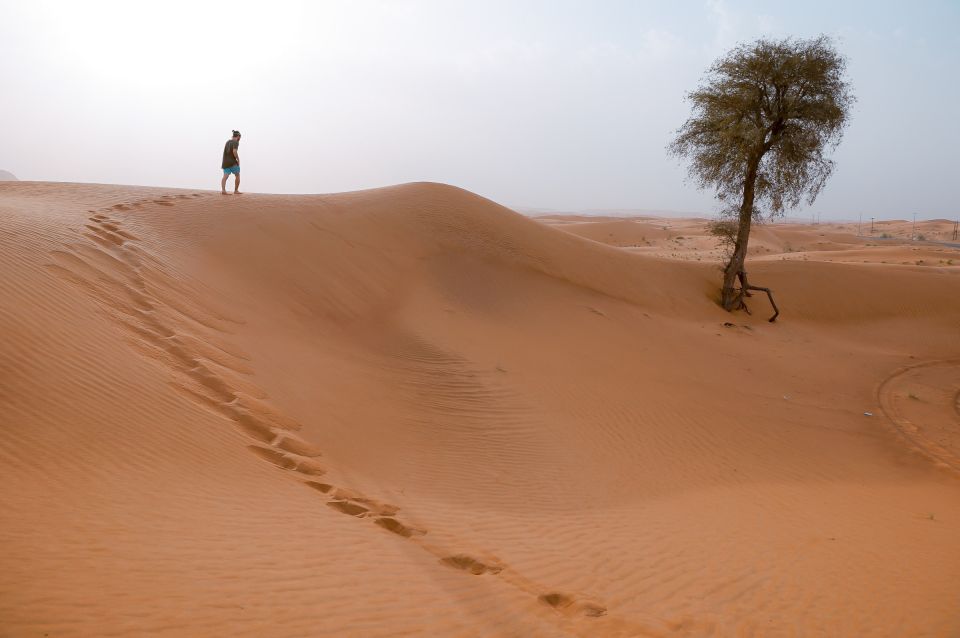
233,169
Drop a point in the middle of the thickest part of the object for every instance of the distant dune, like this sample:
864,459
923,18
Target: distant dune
411,411
895,242
7,176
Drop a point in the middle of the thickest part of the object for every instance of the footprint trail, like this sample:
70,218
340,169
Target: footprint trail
114,266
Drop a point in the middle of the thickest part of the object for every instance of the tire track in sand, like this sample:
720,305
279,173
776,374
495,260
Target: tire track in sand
922,401
116,269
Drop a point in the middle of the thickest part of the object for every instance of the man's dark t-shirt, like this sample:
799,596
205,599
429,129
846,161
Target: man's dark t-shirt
228,158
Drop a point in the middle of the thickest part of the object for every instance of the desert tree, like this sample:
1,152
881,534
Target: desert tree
764,119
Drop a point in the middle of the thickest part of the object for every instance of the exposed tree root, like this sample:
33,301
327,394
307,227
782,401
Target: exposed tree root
744,291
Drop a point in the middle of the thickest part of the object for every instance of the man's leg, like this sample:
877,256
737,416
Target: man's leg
236,187
223,183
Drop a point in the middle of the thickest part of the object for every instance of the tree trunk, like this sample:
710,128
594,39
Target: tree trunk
732,298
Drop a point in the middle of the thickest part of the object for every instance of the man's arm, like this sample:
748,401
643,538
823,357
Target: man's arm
236,155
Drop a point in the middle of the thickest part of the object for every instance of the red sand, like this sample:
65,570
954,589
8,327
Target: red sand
411,411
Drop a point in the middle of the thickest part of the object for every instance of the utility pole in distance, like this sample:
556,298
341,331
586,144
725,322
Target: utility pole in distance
871,226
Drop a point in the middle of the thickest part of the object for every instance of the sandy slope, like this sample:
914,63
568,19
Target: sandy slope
410,411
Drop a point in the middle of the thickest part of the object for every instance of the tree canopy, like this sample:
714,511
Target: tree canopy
785,102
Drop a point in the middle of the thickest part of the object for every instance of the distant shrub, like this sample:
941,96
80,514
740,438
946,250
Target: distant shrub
886,236
921,237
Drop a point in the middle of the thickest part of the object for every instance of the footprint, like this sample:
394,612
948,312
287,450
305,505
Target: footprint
120,207
298,446
310,468
395,526
126,235
555,600
593,610
109,245
251,426
353,509
470,564
321,487
162,203
113,227
272,456
381,509
563,602
105,234
211,381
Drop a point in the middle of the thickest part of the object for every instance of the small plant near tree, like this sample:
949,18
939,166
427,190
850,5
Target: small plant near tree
764,119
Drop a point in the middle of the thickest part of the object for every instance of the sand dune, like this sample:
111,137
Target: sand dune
411,411
7,176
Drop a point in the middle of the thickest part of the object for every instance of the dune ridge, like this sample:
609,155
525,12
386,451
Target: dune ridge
413,411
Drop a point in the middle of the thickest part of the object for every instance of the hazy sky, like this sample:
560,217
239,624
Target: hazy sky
561,104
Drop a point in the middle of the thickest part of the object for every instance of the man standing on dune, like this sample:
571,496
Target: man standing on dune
231,163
